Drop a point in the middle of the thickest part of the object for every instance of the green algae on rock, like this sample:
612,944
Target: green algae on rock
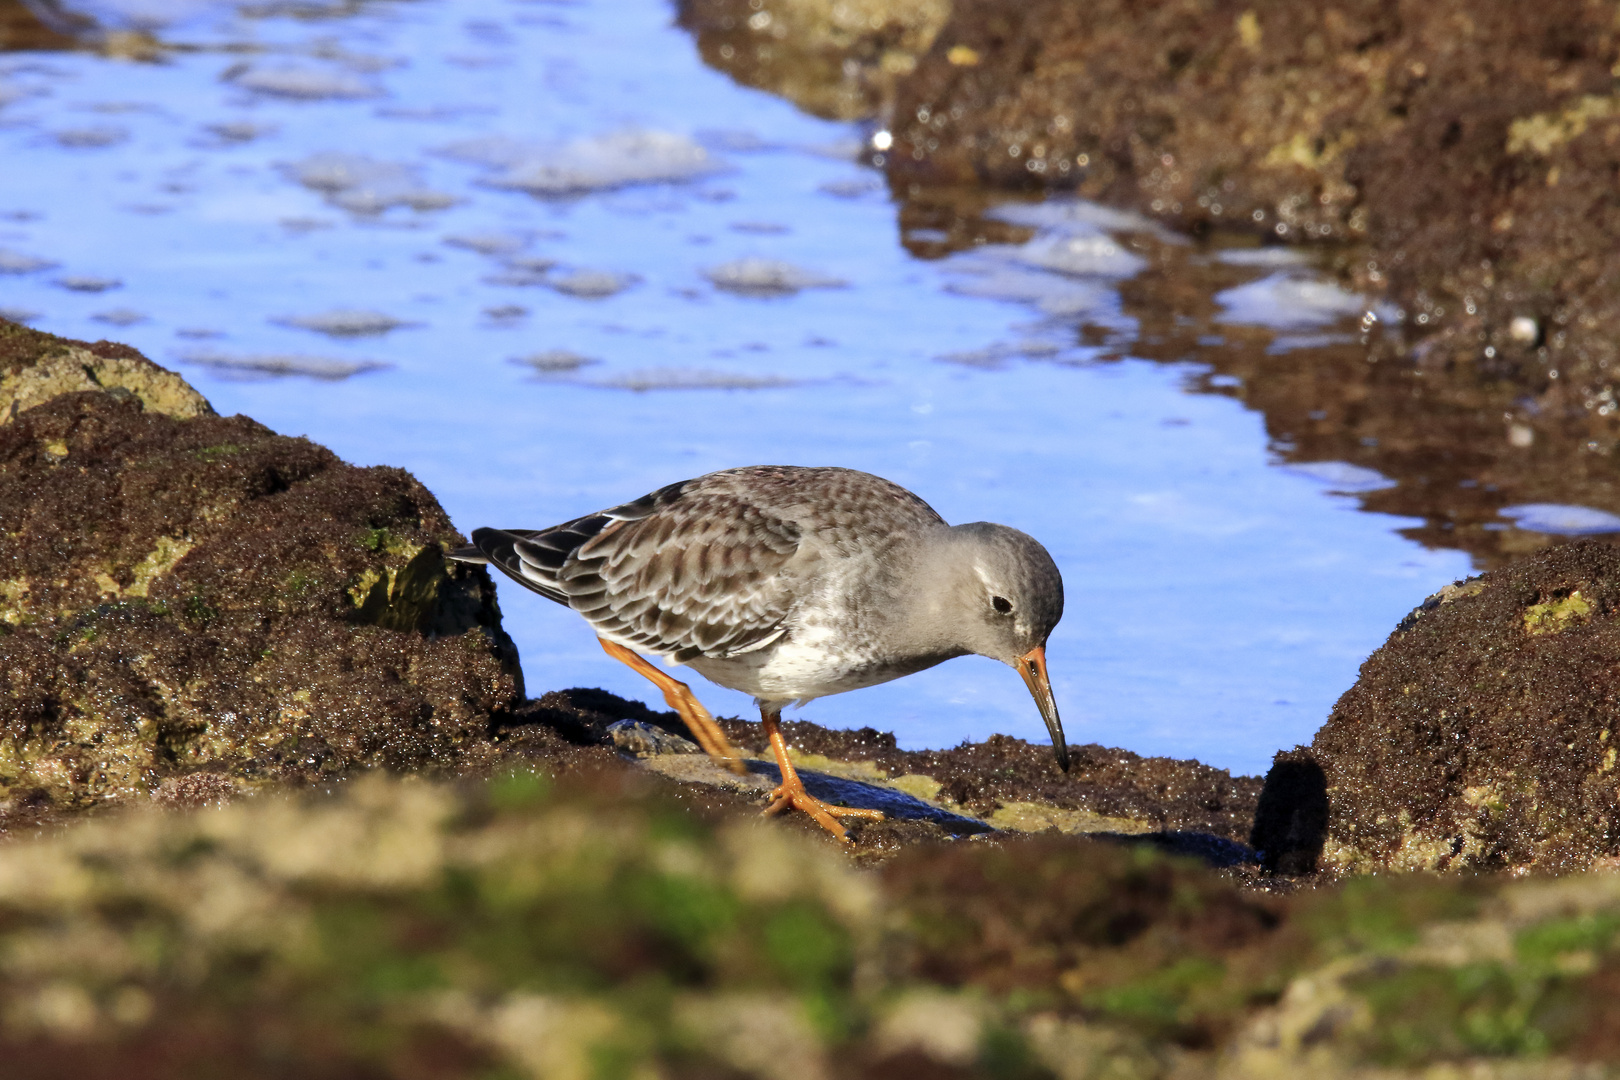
1483,733
181,591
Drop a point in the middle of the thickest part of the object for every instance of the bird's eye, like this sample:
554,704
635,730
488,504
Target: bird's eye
1001,604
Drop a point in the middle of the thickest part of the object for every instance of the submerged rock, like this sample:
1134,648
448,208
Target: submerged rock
1482,735
181,591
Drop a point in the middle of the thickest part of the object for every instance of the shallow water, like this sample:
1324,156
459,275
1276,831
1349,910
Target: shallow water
542,257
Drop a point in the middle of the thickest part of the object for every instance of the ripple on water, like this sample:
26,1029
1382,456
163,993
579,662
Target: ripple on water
301,81
1341,476
364,185
554,361
1288,301
597,163
1081,256
121,316
768,277
279,365
682,378
240,131
16,262
345,322
93,137
586,284
1066,215
489,243
87,283
1053,295
1561,520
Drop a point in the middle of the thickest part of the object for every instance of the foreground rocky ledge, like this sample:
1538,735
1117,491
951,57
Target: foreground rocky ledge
517,927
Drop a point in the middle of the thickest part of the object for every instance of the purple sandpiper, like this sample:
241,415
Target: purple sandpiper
790,584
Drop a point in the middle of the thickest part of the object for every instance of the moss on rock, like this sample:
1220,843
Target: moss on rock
1483,734
36,366
181,591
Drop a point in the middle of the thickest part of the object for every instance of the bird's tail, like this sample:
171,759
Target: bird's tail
468,554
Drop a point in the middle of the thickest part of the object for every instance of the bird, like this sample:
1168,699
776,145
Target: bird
791,583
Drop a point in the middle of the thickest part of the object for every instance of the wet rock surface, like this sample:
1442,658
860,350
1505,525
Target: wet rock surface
1009,781
1481,736
185,592
1003,785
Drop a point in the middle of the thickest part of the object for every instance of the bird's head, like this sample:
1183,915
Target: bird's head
1007,595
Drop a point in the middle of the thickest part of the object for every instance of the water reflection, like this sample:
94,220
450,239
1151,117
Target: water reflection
554,262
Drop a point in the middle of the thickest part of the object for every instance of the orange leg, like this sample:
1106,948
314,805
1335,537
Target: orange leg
680,698
791,793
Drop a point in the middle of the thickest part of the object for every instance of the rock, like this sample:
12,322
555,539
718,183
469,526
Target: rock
1016,785
834,58
409,928
181,591
1483,735
641,739
35,367
21,27
1456,141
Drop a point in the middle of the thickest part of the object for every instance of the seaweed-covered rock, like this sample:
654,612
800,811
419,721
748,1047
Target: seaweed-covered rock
1471,146
181,591
1483,734
833,58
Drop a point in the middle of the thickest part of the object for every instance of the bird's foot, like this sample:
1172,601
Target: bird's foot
792,796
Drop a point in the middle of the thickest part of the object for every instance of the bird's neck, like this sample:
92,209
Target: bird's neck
931,573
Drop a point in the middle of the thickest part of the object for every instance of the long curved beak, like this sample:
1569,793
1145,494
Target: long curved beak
1032,666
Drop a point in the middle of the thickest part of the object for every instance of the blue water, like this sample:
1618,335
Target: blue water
1217,604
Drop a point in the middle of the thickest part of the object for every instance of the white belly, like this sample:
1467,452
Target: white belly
838,639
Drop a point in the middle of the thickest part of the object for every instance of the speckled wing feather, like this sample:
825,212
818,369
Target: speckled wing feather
679,572
701,568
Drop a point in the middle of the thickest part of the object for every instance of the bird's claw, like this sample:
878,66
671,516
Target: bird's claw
794,797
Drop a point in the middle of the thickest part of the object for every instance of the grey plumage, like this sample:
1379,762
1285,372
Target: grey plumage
791,583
